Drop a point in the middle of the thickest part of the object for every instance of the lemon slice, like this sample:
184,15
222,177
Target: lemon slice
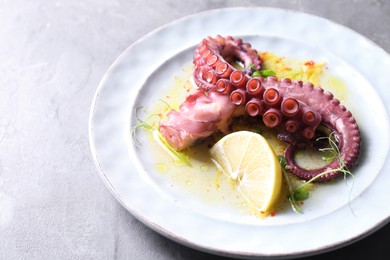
248,159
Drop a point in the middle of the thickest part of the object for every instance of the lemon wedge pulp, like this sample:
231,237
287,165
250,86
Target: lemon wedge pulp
250,162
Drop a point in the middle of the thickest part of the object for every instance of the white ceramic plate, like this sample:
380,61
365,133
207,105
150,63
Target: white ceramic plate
138,77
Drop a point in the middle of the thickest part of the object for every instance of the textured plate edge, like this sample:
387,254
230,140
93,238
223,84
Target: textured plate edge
183,241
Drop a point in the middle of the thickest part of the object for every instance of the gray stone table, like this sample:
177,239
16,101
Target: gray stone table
53,204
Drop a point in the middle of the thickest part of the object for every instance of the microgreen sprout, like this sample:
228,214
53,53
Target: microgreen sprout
331,153
291,197
168,107
143,124
150,125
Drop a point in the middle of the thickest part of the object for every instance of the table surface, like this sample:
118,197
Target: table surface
53,204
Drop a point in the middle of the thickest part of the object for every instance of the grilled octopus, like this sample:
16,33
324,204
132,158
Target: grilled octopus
292,108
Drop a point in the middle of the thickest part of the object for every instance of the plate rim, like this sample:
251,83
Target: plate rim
161,230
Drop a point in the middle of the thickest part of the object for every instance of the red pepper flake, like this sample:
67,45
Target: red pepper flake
301,202
272,214
309,63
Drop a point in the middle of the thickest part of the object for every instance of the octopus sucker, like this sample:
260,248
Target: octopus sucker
293,109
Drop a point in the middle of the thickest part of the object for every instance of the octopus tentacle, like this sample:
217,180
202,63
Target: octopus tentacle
292,108
198,117
324,109
218,53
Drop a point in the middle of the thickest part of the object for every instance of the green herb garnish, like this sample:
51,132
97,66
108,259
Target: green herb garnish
292,196
301,194
267,73
257,73
263,73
